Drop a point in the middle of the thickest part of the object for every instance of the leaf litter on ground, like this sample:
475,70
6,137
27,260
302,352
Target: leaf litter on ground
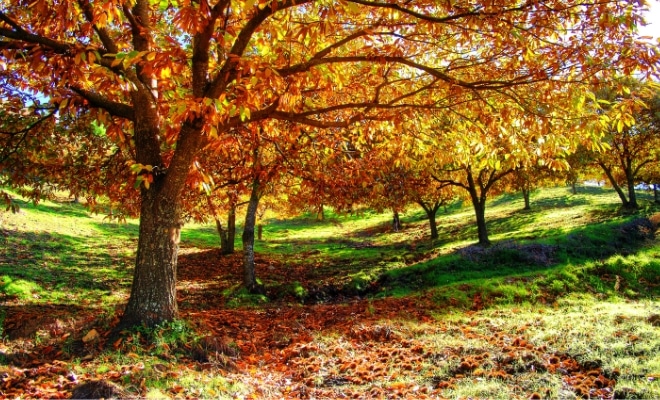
348,345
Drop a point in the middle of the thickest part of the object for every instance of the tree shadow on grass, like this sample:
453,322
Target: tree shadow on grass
57,262
509,259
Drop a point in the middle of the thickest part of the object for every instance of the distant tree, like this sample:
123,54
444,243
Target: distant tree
431,197
524,180
482,155
631,113
579,166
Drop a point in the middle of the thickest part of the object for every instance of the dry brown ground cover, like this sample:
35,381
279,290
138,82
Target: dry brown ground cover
410,347
327,330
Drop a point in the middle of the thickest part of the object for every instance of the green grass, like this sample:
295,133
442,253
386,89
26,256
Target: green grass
55,250
58,253
567,276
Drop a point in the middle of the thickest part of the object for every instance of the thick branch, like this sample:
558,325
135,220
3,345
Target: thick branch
448,18
450,182
24,36
114,108
228,71
201,45
4,18
477,85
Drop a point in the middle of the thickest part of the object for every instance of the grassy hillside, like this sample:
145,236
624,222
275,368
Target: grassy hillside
564,304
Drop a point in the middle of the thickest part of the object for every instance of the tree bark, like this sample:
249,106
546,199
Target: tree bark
526,193
479,204
224,235
615,185
320,215
153,292
632,196
396,222
231,231
228,235
431,212
482,229
249,276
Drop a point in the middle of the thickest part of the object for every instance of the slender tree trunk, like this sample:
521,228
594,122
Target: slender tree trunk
632,196
430,213
320,214
615,185
622,196
526,193
396,222
224,235
231,230
433,224
479,204
249,276
574,187
482,229
656,193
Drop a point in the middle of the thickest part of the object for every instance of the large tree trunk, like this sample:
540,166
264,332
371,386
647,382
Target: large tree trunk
153,292
249,276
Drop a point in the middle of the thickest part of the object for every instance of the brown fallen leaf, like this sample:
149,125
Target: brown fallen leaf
90,336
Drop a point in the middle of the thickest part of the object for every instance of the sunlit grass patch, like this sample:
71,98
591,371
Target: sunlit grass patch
480,388
559,289
615,336
60,253
19,288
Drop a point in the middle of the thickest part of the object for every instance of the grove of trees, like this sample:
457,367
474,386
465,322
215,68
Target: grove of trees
190,107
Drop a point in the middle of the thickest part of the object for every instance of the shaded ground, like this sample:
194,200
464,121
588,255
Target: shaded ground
318,336
356,348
